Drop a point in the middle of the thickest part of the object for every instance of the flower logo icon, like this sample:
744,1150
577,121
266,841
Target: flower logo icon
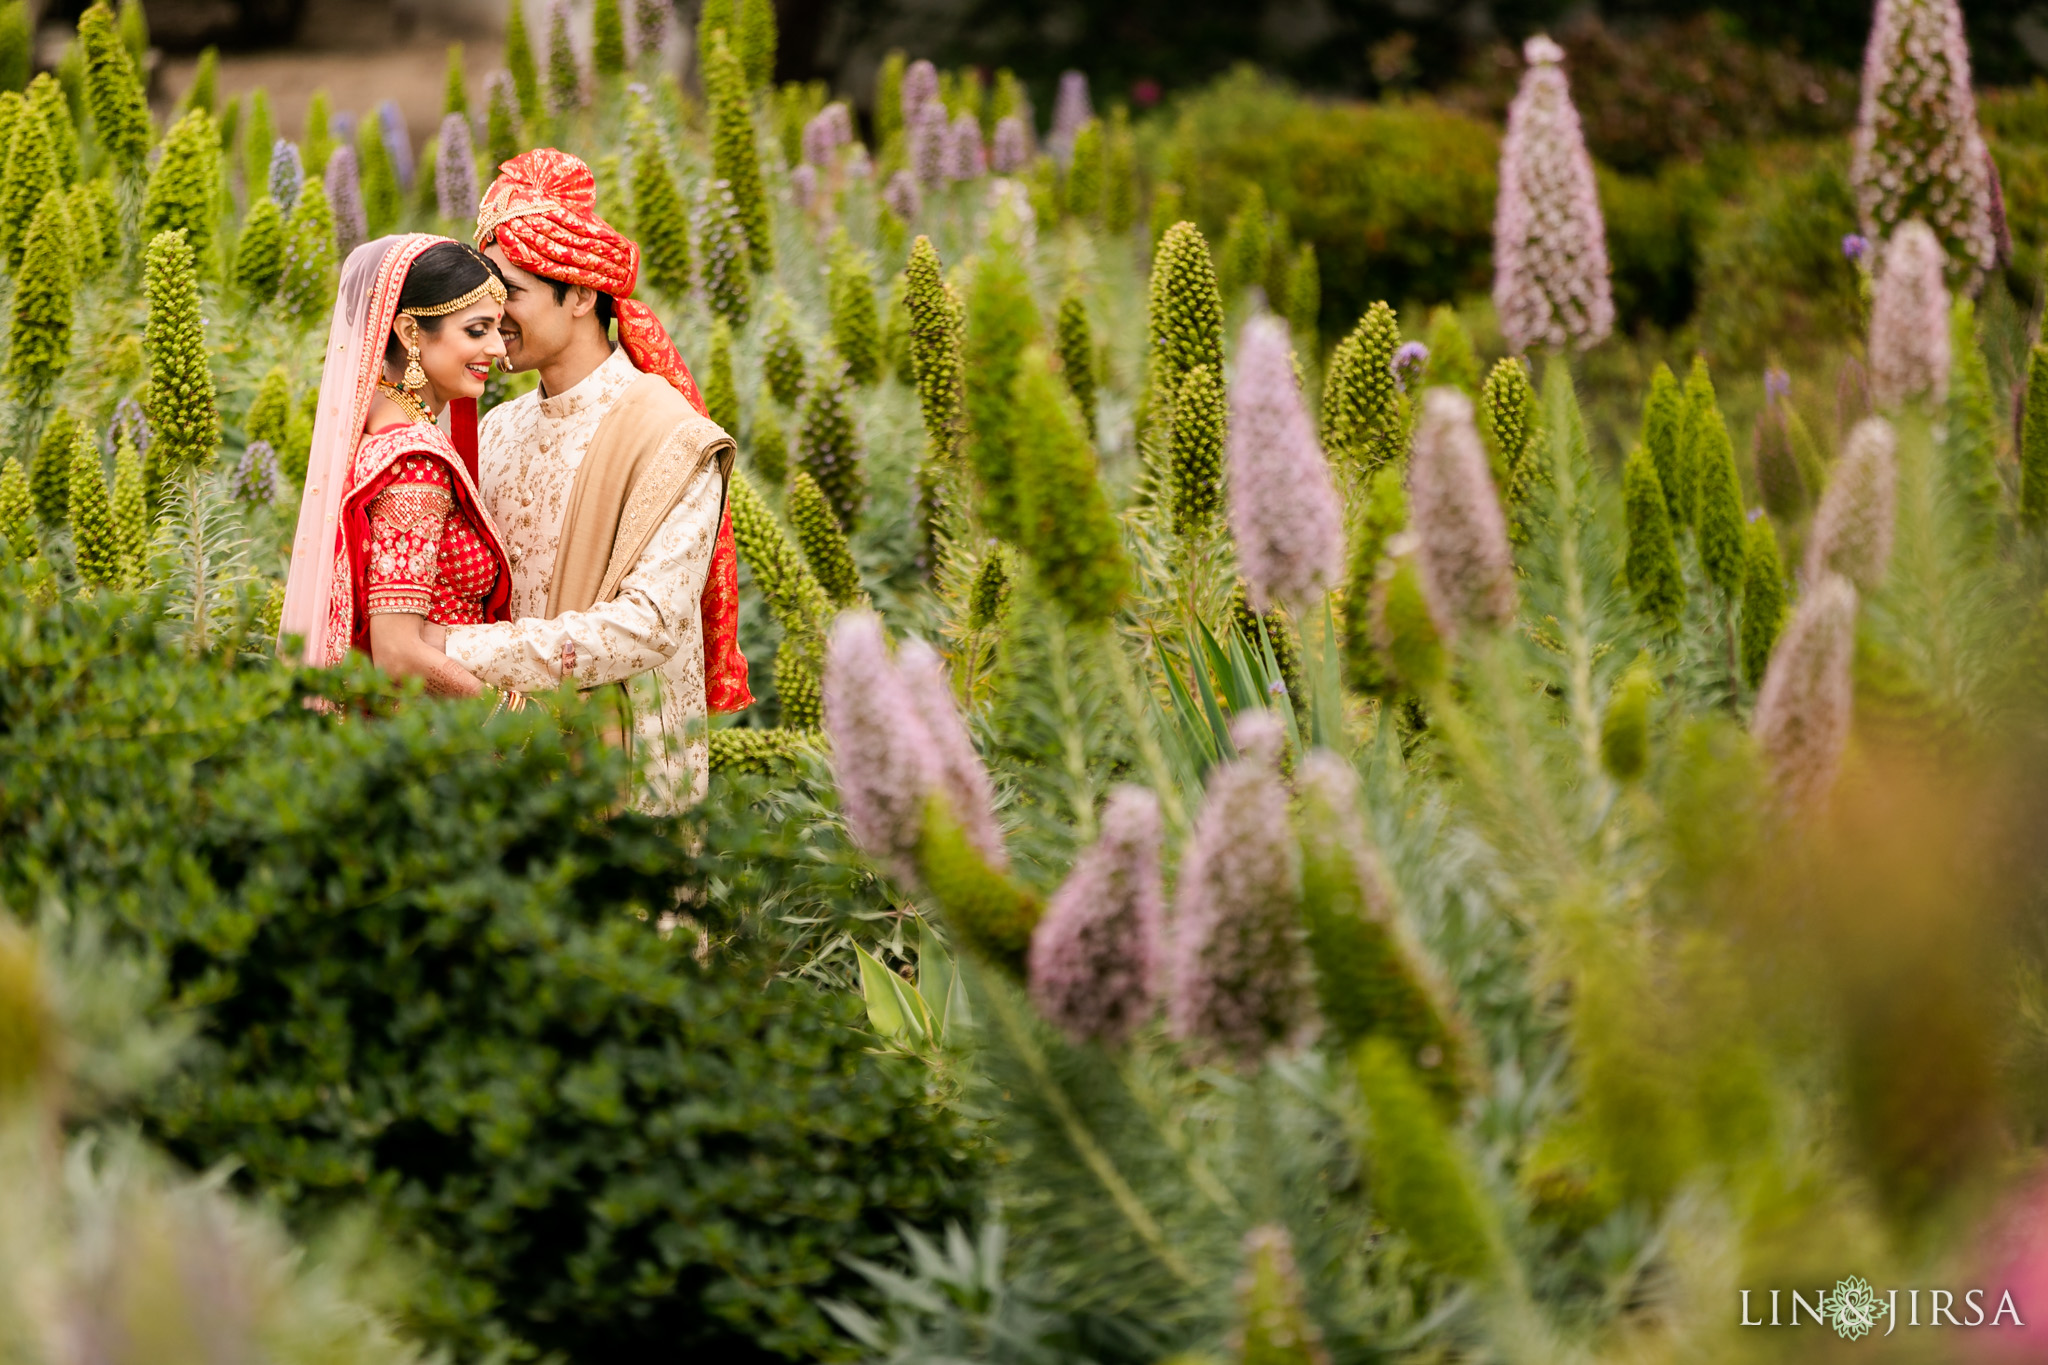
1854,1308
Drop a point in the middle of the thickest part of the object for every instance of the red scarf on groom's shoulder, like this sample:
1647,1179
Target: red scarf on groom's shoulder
542,211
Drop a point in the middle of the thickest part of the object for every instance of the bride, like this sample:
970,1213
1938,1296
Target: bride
391,534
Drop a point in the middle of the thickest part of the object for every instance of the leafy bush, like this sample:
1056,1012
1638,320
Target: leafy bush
1396,197
1772,275
1673,90
1654,226
434,975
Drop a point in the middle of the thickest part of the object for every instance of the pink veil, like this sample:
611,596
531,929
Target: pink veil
365,306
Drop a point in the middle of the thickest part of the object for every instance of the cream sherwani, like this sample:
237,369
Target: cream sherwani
649,634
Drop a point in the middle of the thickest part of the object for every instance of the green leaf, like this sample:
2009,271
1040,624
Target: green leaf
1219,730
884,1001
935,976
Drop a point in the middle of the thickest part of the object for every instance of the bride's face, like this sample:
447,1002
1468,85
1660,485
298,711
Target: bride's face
458,357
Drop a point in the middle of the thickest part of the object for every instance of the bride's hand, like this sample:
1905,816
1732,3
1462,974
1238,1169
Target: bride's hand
398,645
434,635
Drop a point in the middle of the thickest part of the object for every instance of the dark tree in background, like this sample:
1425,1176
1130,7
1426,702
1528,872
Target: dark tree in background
1358,47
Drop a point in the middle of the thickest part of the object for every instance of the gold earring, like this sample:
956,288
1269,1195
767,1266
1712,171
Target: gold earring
415,377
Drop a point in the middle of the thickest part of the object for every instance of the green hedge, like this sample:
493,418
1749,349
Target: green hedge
433,977
1397,197
1773,280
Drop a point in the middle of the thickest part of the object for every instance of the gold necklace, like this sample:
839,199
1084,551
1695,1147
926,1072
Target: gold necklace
412,406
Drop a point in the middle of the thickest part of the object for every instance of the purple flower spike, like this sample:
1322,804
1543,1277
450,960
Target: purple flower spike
928,136
1777,384
1855,246
1096,955
903,197
920,87
455,171
397,141
1909,347
1408,363
958,773
1852,531
345,196
1917,150
1284,509
881,752
1803,708
1012,150
1070,110
1236,964
963,158
1461,536
1550,283
803,185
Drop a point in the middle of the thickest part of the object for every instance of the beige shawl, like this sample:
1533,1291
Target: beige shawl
646,453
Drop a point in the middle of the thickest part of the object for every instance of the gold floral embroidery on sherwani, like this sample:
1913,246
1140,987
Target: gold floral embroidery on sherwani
649,633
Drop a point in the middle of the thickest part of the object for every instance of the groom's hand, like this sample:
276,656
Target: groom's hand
434,636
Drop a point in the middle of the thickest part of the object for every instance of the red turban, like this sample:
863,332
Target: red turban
542,211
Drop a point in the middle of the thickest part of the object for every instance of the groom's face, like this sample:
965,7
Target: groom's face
537,326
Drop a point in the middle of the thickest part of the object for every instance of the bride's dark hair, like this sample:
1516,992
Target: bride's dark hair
440,274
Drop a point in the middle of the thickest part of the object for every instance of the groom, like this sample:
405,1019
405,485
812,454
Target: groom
607,484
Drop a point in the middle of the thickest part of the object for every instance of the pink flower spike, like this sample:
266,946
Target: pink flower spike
1550,281
1909,355
1461,535
1803,709
1095,956
1012,150
1284,508
1852,531
1237,970
883,756
958,772
1917,150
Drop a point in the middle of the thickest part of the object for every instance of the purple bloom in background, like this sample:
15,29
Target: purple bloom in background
1855,246
839,119
455,172
343,126
1550,284
1777,383
1070,110
1012,151
858,165
881,752
803,185
903,197
287,173
963,155
1852,531
958,771
1235,964
650,24
1461,537
345,197
1917,151
920,87
1284,509
928,144
1408,363
129,418
1803,709
1909,347
817,142
256,475
391,126
1095,956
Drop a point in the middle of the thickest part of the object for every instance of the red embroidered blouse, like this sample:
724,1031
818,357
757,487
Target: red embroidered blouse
426,557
